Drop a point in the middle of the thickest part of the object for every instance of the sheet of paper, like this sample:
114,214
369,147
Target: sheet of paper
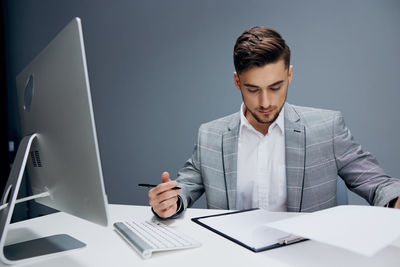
361,229
248,227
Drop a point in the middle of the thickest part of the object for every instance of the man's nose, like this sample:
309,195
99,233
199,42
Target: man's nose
264,100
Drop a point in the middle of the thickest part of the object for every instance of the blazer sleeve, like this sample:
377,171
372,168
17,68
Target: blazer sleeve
359,169
190,179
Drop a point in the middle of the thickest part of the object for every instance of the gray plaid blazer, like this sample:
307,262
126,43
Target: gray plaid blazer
319,148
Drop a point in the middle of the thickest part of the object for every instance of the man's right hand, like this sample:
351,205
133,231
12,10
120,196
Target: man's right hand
163,198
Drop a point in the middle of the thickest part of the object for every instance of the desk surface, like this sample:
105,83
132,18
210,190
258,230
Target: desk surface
106,248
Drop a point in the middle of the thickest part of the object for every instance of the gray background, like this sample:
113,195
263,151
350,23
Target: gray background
158,69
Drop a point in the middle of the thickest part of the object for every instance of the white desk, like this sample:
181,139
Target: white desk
107,248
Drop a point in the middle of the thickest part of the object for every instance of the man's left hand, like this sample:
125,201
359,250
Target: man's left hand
397,203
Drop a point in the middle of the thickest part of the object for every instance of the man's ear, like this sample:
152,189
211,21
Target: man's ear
236,80
290,73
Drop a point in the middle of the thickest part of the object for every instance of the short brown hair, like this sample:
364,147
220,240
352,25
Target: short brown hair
258,46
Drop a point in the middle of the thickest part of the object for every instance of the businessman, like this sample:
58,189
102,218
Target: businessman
272,154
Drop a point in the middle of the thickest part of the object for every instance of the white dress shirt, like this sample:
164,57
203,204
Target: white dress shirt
261,170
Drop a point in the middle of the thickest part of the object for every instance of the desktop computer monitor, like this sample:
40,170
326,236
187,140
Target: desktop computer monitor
60,146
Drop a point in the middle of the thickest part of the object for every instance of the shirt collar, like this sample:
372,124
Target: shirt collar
279,122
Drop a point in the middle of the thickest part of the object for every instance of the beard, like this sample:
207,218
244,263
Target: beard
273,116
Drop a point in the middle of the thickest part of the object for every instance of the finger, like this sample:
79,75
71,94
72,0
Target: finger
165,177
166,204
167,195
171,210
155,200
168,212
163,187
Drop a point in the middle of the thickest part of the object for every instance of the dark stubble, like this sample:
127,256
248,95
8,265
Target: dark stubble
260,120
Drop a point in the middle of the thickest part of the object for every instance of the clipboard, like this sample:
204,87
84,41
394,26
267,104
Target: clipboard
246,228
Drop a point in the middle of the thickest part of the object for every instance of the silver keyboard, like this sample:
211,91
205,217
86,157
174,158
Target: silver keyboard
147,237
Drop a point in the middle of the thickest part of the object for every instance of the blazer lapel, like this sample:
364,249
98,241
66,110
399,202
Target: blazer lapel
295,158
229,155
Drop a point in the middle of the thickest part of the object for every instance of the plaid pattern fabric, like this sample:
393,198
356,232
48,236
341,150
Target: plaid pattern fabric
319,148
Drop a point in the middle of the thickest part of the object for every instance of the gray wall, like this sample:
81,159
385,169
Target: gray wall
158,69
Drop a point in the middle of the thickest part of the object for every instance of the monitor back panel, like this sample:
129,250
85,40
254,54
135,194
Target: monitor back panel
55,102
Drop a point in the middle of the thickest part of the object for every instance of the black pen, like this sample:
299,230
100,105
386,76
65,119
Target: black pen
154,185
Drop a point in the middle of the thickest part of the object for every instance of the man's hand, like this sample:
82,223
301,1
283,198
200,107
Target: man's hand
397,203
163,198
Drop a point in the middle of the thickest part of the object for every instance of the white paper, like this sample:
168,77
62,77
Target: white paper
361,229
248,227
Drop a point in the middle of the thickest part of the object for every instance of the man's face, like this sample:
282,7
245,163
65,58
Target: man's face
264,91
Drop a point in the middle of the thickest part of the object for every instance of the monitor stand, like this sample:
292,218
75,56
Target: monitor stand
41,247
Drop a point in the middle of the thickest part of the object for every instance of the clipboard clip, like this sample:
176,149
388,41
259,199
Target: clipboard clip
290,239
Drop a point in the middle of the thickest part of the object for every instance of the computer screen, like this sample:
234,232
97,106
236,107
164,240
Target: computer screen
55,103
55,109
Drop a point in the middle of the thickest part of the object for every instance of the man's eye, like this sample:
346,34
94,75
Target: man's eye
275,88
252,90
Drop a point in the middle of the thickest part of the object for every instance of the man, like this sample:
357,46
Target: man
272,154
